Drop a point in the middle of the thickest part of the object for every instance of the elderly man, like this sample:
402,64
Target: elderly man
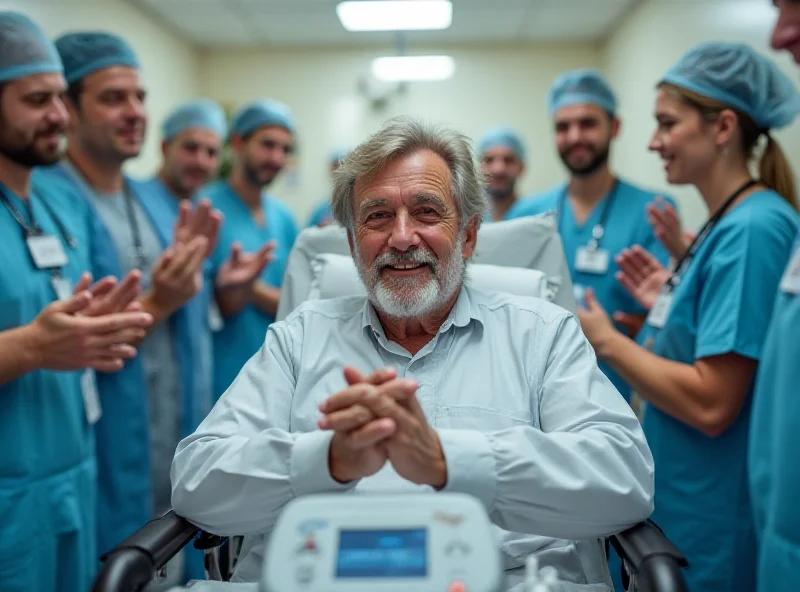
493,395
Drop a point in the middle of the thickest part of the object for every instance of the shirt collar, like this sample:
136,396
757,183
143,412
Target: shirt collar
462,313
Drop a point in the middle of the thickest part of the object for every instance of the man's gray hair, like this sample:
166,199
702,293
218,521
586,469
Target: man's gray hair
403,136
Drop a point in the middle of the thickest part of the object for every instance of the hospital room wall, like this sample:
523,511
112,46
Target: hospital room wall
170,64
491,86
647,43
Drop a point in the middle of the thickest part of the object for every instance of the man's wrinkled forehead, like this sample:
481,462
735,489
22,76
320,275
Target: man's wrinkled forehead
408,174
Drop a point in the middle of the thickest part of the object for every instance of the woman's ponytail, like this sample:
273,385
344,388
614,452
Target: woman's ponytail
776,172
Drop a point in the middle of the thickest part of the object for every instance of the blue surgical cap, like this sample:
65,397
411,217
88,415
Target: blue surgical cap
262,114
199,114
738,76
502,136
86,53
580,87
24,48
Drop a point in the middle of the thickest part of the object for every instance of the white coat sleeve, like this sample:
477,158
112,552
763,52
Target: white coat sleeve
242,465
587,473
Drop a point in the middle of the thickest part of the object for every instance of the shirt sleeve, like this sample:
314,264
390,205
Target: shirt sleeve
738,286
235,474
587,472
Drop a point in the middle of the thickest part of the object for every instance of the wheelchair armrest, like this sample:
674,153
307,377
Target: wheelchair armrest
130,566
654,560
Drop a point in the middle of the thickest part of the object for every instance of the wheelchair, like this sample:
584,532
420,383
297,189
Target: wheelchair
650,562
524,257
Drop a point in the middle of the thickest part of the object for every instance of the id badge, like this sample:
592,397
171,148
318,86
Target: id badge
592,260
215,322
91,400
46,251
660,312
790,283
62,287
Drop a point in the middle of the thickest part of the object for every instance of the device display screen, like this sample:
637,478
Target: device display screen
382,554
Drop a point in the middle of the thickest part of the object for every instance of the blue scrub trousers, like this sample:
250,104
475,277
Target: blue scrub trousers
53,548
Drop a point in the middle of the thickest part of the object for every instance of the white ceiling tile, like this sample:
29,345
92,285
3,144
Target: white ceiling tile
314,22
571,20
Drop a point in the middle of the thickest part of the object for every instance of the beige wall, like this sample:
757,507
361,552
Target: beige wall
504,86
169,63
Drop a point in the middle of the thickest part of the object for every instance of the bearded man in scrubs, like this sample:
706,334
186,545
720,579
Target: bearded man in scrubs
502,157
262,137
158,397
55,331
598,214
192,138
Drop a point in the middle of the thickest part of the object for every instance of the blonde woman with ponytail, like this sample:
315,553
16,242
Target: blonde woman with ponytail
696,359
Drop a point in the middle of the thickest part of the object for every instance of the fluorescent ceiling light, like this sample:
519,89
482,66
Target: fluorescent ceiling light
402,68
395,15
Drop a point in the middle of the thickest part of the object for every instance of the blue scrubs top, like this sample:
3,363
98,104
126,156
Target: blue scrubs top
626,226
723,304
243,334
48,473
322,213
774,447
125,500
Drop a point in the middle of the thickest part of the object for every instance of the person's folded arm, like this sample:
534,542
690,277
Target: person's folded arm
588,471
235,474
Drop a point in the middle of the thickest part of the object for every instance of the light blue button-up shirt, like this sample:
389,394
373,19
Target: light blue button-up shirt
527,422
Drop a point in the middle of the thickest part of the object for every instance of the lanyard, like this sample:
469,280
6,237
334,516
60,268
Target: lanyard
32,228
683,262
28,228
138,248
599,229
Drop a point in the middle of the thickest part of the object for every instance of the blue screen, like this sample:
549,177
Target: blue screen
382,554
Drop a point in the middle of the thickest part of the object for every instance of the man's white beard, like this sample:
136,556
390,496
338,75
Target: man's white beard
405,297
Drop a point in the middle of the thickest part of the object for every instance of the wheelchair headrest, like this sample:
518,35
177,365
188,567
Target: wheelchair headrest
335,276
530,243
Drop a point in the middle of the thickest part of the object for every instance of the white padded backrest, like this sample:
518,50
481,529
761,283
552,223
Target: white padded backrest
531,243
335,276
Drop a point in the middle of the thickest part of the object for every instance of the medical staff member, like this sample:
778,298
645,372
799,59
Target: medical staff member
501,153
48,335
262,139
775,429
322,214
705,335
598,214
192,138
156,398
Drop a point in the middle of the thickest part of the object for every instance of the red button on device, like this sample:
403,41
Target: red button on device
456,586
